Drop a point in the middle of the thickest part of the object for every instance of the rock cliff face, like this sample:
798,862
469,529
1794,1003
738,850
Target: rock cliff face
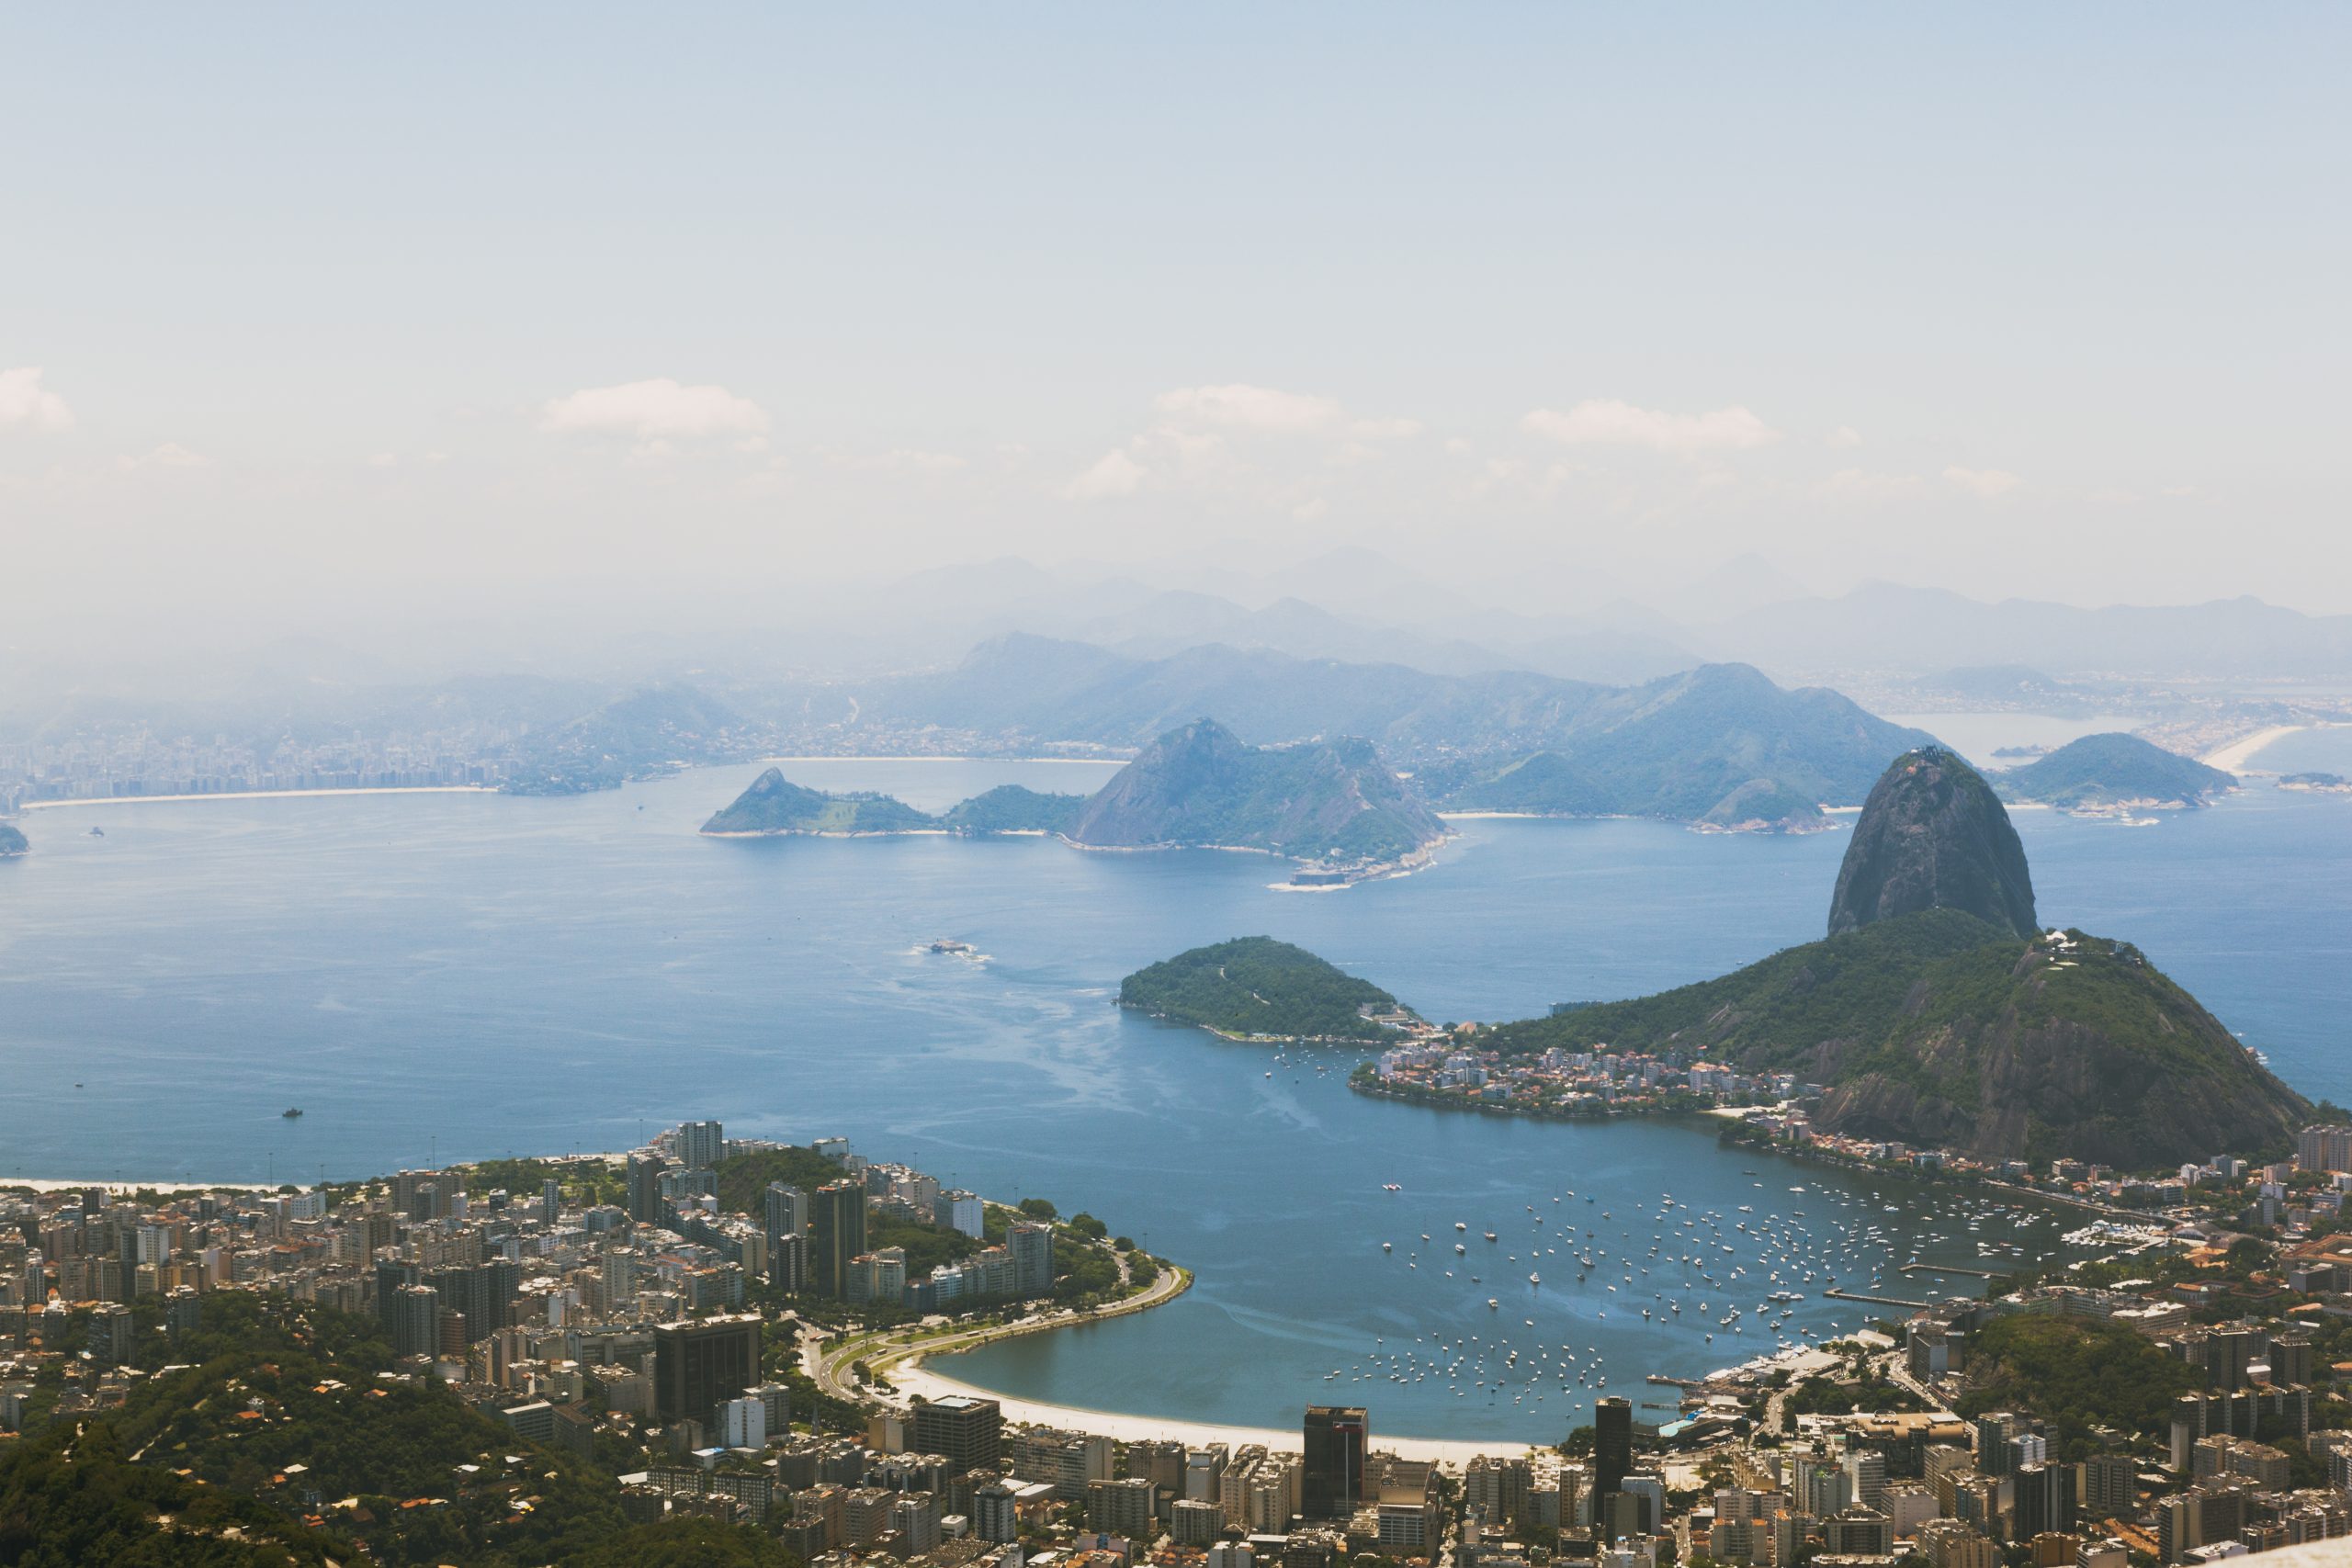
1200,785
1933,836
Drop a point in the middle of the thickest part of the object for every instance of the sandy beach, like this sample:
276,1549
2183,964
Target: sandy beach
910,1377
2234,757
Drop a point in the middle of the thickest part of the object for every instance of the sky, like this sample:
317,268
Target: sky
316,317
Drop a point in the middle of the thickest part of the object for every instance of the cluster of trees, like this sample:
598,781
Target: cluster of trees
1256,985
274,1407
2074,1374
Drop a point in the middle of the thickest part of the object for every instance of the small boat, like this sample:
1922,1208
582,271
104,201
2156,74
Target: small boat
1387,1247
291,1111
949,945
97,833
1493,1304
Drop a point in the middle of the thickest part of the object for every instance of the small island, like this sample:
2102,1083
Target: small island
2102,773
2316,783
12,843
1257,989
773,805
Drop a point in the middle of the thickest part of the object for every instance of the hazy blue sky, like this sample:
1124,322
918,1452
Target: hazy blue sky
331,306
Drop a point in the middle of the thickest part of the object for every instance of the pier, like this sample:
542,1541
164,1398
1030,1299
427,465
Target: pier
1845,1295
1953,1268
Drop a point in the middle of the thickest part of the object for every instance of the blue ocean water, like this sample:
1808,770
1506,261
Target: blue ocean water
440,976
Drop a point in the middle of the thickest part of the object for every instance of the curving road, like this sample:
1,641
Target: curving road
829,1361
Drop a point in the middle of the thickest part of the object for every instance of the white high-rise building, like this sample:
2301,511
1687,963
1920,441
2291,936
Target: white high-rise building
743,1423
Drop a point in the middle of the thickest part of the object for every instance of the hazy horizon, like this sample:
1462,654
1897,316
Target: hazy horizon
344,324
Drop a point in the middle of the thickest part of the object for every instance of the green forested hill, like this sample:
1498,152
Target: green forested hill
1009,808
1940,1029
1255,986
269,1384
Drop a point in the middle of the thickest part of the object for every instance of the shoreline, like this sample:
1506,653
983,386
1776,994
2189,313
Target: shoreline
258,794
911,1377
2234,757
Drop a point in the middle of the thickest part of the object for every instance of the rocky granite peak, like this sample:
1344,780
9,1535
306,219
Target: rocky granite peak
1933,836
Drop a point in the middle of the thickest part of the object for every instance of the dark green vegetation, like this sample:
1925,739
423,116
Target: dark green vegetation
1938,1029
1009,809
773,804
268,1382
1254,986
2101,770
1201,786
645,732
12,843
2330,782
1933,836
2076,1375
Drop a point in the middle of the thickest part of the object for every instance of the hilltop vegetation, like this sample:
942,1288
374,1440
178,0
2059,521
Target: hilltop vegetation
1256,987
1009,808
274,1403
2077,1374
1939,1029
2104,770
644,732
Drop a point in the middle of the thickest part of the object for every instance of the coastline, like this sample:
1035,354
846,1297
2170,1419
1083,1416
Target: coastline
259,794
2234,757
911,1377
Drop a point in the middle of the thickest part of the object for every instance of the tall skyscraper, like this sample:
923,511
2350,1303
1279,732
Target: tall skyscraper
787,1211
1031,1246
1613,1449
646,1205
701,1144
550,1202
836,1235
698,1364
967,1432
416,1320
1336,1436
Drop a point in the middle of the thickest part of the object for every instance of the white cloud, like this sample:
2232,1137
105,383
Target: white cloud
170,454
1113,474
1844,436
1609,422
1308,511
1985,482
24,401
655,411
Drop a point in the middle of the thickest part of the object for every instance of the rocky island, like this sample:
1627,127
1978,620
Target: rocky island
12,843
2102,773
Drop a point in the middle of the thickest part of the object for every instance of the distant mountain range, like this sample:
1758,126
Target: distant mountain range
1720,743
